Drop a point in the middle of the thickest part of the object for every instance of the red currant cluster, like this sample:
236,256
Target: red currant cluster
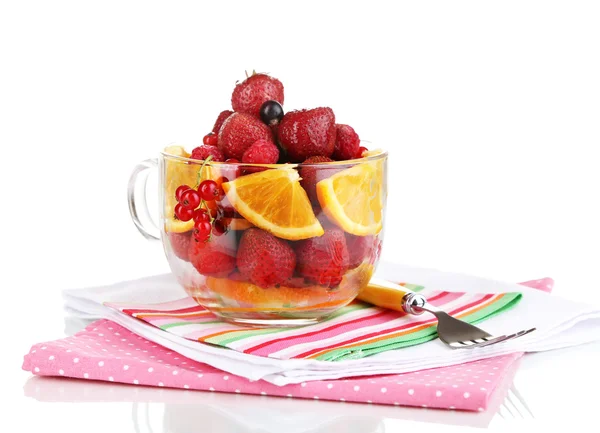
200,205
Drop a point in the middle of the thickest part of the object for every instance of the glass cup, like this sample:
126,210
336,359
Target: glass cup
289,244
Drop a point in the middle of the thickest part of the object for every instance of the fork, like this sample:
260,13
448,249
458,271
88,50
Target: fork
455,333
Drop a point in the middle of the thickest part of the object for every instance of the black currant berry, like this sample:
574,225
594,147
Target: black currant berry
271,112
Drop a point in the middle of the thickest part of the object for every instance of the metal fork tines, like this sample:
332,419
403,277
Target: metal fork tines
486,341
454,332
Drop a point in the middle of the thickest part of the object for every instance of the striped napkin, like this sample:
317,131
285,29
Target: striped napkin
355,331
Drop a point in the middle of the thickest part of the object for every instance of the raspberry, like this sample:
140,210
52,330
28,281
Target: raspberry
264,259
261,152
202,152
347,143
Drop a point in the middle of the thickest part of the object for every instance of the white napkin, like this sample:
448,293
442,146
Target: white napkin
560,323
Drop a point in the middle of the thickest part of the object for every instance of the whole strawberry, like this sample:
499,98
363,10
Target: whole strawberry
239,132
223,115
264,259
202,152
307,133
361,249
347,143
215,257
180,244
323,260
311,174
250,94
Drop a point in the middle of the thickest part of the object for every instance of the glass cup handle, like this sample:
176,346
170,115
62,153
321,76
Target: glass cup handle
140,174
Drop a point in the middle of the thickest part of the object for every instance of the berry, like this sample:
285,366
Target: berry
183,213
210,139
239,132
219,227
271,112
361,150
295,282
323,260
347,143
311,174
202,230
249,95
361,249
264,259
232,161
261,152
190,199
180,244
202,152
214,257
223,115
307,133
179,191
209,190
201,215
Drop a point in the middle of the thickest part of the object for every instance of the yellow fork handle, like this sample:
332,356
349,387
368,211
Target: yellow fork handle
391,296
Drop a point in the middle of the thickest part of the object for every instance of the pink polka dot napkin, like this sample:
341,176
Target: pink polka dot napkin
106,351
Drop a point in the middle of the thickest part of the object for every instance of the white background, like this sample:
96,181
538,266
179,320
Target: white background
489,110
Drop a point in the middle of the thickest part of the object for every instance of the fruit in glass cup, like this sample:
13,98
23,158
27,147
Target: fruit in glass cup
277,217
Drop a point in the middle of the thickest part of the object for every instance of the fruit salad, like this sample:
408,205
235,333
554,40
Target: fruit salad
277,217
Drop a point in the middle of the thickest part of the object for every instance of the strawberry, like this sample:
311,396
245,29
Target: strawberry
311,174
307,133
202,152
239,132
347,143
250,94
323,260
264,259
295,282
223,115
261,152
215,257
361,249
180,244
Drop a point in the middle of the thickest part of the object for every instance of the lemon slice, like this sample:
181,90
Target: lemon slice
353,198
274,200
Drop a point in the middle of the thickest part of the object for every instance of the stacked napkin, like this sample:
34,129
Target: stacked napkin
105,351
559,322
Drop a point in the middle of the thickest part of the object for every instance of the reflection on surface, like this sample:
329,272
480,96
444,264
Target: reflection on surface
175,411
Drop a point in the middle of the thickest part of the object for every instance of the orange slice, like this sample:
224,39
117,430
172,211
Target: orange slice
353,198
239,224
274,200
285,298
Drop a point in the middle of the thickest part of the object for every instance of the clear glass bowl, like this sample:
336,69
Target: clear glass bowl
253,269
